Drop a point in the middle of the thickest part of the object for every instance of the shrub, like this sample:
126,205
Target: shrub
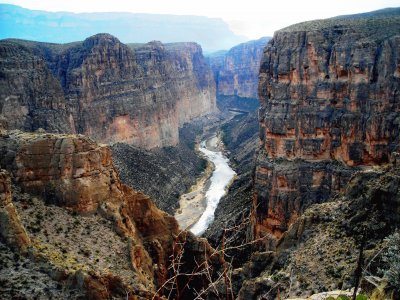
391,258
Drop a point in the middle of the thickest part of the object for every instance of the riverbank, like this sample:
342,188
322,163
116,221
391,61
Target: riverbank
197,207
193,204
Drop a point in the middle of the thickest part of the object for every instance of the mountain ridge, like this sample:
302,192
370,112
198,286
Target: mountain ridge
61,27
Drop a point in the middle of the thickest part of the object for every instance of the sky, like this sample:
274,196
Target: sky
251,18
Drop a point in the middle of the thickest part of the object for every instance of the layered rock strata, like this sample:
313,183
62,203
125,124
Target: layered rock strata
138,94
330,104
320,251
144,244
236,71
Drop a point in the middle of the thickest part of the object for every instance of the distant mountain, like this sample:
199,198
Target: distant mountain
62,27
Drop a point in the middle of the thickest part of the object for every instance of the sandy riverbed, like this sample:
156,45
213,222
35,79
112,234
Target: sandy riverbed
195,205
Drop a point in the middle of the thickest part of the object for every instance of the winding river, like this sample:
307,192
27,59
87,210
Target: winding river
198,206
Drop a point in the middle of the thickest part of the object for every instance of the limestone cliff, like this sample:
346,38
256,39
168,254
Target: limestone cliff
330,104
236,71
139,94
85,229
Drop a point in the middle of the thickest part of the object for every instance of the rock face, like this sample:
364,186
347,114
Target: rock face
330,103
77,175
320,250
236,72
72,172
11,229
112,92
30,96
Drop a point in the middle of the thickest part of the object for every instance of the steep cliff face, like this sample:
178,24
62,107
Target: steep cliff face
330,103
101,237
236,72
72,172
30,96
139,94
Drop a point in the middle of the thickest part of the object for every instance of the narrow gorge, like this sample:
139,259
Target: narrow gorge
154,171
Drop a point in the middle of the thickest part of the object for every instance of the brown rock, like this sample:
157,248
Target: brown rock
74,172
236,72
31,97
112,92
11,228
329,102
71,171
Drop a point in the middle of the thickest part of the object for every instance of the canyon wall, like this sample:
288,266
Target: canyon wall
85,228
139,94
330,103
236,71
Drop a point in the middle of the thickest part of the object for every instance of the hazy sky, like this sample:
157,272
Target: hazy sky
252,18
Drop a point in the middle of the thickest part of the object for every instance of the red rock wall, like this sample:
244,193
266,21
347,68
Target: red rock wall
330,101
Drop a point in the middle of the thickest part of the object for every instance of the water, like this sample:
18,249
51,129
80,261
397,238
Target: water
220,179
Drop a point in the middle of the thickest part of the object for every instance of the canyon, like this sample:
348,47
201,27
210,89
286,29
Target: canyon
66,208
236,71
88,129
138,94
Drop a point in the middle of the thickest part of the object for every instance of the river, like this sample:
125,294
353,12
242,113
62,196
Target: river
198,206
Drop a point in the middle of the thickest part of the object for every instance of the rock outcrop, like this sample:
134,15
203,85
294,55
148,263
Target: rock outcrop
69,171
330,104
138,94
11,229
97,234
320,251
236,71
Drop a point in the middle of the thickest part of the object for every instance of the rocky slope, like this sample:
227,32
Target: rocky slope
236,71
139,94
83,232
320,251
330,103
162,173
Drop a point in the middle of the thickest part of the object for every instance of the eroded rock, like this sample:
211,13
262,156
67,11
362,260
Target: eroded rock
330,102
112,92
